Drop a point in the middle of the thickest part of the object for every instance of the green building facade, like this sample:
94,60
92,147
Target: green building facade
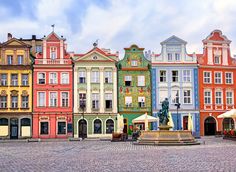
134,86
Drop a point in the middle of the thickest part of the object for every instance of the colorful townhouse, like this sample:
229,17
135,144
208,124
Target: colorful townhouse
217,83
36,44
53,90
175,77
95,93
15,89
134,86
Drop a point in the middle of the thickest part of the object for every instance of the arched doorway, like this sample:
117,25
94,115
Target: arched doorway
25,127
4,127
209,126
109,126
14,128
97,126
228,123
82,128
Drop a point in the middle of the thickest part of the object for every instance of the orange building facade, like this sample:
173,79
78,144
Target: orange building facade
217,84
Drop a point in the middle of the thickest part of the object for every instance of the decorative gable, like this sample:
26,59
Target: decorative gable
173,40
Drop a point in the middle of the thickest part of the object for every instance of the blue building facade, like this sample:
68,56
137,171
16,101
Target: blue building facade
175,76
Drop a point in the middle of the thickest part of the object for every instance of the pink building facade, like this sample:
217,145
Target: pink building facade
52,92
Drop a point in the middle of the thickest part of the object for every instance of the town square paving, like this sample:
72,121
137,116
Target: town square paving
214,154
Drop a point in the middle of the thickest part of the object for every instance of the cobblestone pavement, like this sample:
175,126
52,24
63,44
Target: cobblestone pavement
215,155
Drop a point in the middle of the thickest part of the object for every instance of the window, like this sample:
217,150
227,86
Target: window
95,101
3,101
53,53
177,57
218,78
162,76
43,128
187,97
207,77
53,78
97,126
162,95
175,96
41,99
3,122
9,59
108,100
186,76
25,101
108,77
61,127
218,97
134,63
41,78
128,101
141,102
141,81
64,99
82,100
3,79
228,77
217,59
207,97
20,59
38,48
53,99
24,79
229,97
109,126
128,80
169,56
175,76
82,77
14,79
64,78
14,101
95,77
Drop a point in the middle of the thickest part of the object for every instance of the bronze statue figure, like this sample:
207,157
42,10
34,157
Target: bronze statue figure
163,113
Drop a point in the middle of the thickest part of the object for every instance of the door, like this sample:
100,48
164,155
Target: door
14,128
210,126
125,129
82,128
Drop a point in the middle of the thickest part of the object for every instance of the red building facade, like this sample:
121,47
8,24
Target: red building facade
52,92
217,83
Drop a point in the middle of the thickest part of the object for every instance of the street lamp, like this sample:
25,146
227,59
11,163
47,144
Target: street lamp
82,106
178,107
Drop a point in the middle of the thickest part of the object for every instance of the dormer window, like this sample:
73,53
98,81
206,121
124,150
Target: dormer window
53,53
134,63
9,59
217,59
169,56
177,57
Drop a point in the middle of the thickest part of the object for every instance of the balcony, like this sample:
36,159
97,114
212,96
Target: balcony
50,61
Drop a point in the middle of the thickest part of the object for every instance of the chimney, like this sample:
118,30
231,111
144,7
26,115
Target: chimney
34,37
9,36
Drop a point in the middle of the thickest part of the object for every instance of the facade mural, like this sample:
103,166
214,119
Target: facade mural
95,93
15,89
134,86
217,71
53,85
175,76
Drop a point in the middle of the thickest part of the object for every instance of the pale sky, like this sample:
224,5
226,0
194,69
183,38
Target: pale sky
119,23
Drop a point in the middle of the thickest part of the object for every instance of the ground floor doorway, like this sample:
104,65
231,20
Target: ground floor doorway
82,128
209,126
13,128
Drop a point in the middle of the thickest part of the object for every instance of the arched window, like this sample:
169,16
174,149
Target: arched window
97,126
109,126
25,122
3,122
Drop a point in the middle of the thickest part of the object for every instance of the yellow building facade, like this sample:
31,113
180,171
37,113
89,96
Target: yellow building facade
15,89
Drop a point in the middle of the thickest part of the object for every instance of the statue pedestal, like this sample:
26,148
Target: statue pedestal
165,127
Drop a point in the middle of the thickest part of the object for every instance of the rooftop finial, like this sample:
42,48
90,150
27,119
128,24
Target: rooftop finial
95,44
53,25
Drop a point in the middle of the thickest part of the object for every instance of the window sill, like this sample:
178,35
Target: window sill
108,109
41,84
23,108
41,106
14,85
24,85
3,108
14,108
3,85
96,110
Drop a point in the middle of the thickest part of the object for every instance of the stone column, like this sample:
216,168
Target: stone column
76,90
88,95
102,100
114,78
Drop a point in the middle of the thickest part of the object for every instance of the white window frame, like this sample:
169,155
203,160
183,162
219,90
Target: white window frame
53,49
4,81
210,77
50,101
44,98
81,74
38,73
128,101
190,96
232,97
162,96
108,75
169,57
173,98
226,79
175,76
21,59
23,81
134,63
68,78
11,59
141,80
95,100
218,59
68,98
95,77
217,78
55,80
24,103
109,97
16,103
141,100
221,97
177,57
128,78
186,77
163,76
210,96
3,104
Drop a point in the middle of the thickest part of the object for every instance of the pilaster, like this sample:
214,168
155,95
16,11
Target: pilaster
114,90
88,96
102,100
